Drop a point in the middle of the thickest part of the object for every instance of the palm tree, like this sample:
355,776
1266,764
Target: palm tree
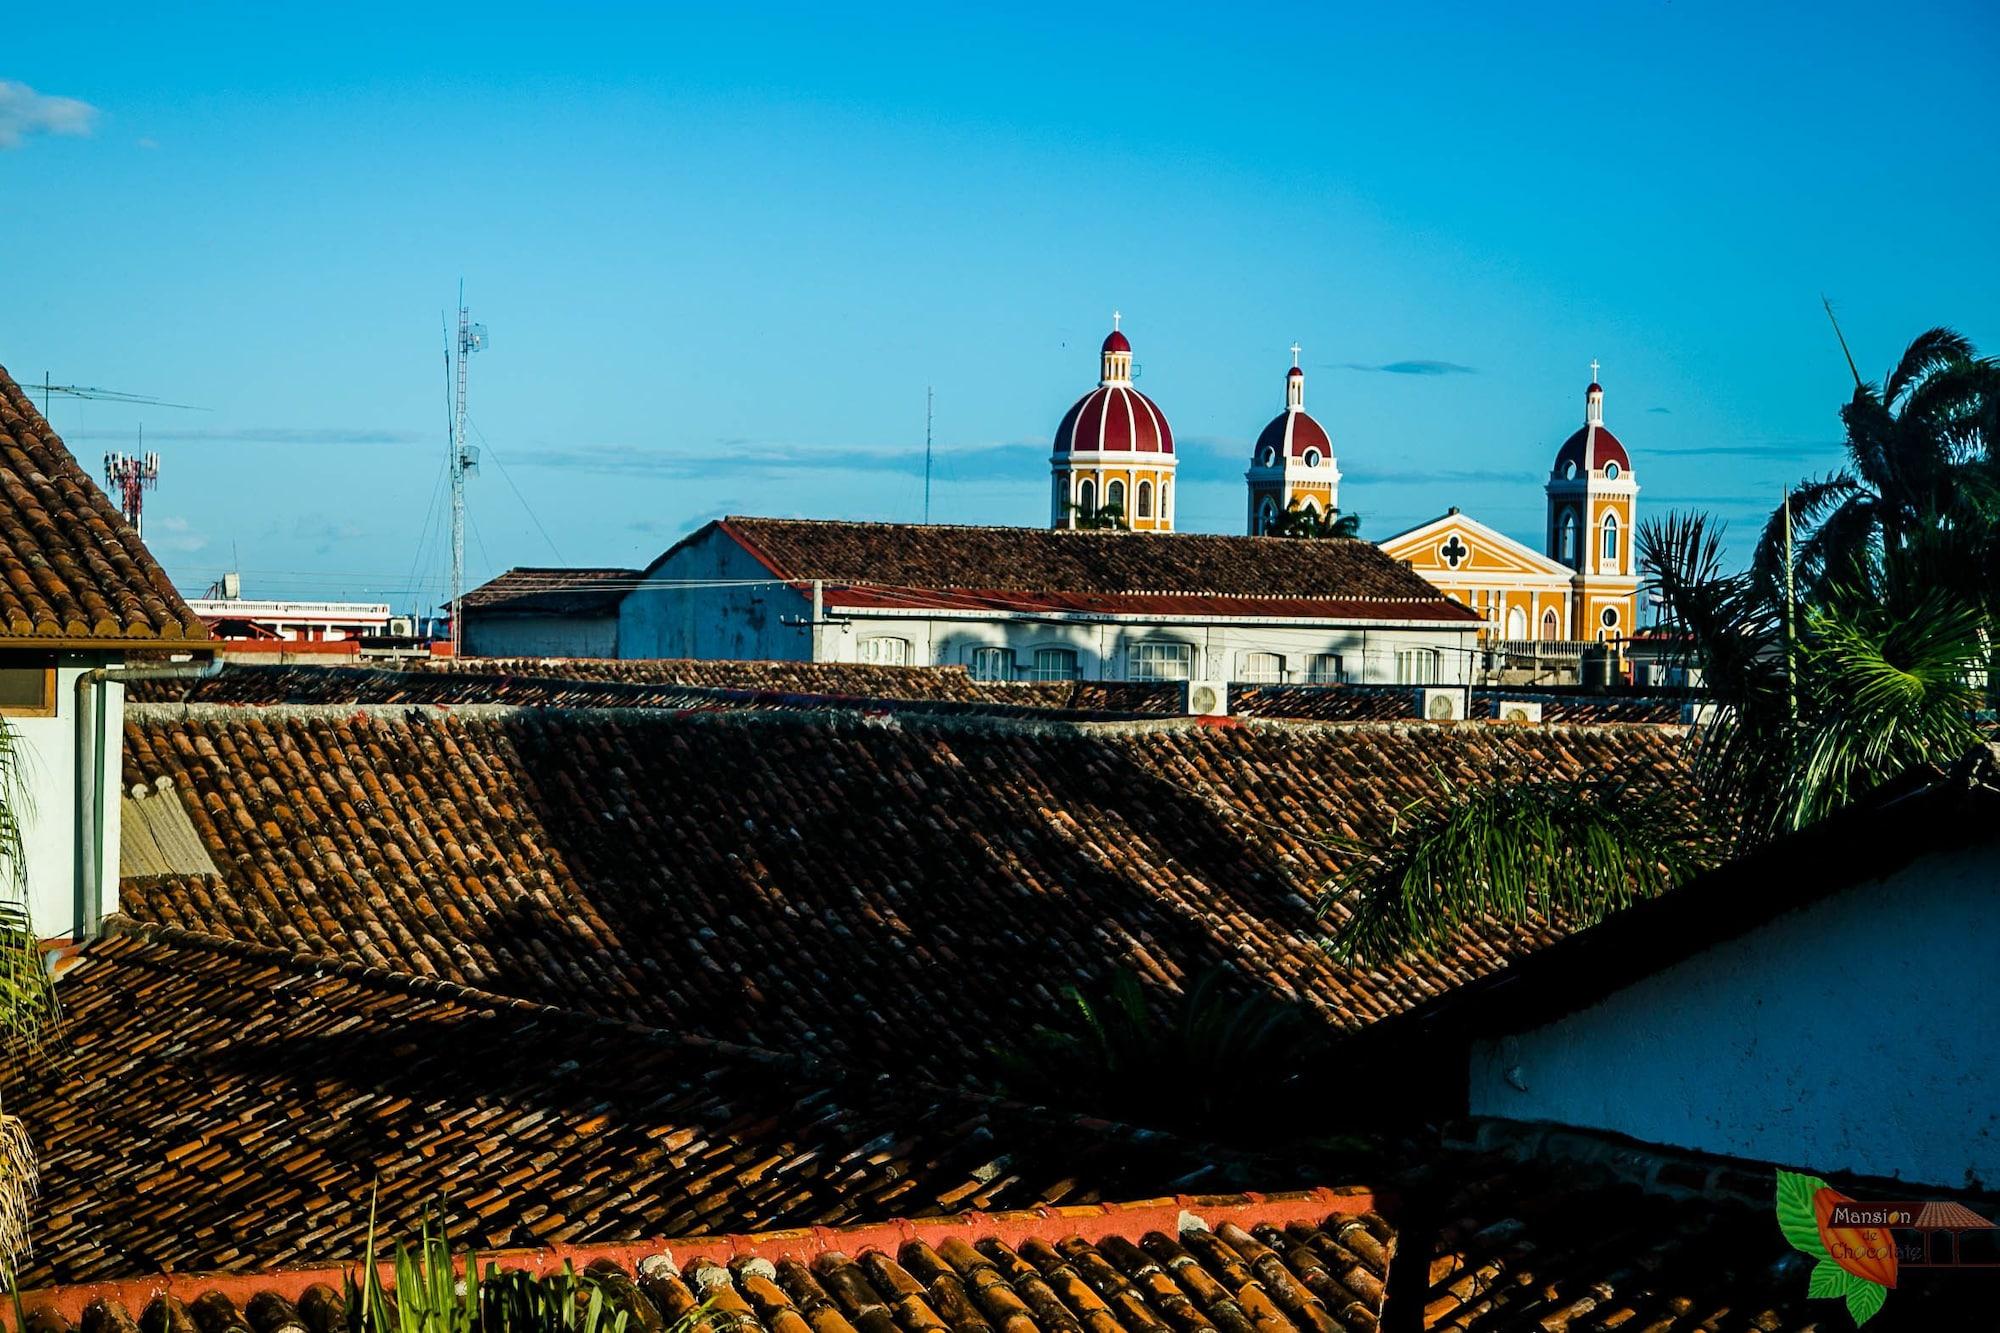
1919,460
1107,517
1808,708
1306,521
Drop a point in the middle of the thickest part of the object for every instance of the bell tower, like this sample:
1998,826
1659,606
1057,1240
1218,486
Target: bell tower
1591,497
1292,464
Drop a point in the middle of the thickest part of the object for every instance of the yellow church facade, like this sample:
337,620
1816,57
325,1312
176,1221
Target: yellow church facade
1583,586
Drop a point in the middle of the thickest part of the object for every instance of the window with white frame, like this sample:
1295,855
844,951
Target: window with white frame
1114,496
1145,499
1161,661
1261,668
1417,666
992,664
1325,670
885,650
1609,553
1055,664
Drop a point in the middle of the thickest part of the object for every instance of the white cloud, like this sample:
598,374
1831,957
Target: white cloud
172,533
23,112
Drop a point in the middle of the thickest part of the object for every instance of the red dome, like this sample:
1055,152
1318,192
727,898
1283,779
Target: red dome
1117,418
1603,449
1295,373
1117,342
1292,433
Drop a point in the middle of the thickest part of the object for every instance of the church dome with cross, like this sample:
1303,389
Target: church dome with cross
1115,417
1113,462
1593,449
1291,464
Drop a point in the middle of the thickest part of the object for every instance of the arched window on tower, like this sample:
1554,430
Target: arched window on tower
1145,499
1267,514
1167,502
1086,501
1551,626
1114,496
1566,541
1608,552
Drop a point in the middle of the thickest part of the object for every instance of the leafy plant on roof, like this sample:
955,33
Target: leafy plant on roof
1107,517
1186,1059
434,1291
29,1014
1310,523
1819,689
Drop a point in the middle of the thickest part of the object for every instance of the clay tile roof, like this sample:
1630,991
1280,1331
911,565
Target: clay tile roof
219,1106
784,687
71,568
533,591
1117,572
817,881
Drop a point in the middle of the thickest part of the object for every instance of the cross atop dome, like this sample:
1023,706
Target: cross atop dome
1115,317
1295,356
1593,360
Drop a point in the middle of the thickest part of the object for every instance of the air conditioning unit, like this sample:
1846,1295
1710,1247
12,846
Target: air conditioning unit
1206,698
1445,705
402,627
1520,713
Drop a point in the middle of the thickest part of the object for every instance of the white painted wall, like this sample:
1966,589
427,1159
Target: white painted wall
1859,1034
488,634
1102,646
48,773
747,623
740,624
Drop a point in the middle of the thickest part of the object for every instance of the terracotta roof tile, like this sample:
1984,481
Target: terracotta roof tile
1465,1242
815,881
222,1106
533,590
897,564
71,568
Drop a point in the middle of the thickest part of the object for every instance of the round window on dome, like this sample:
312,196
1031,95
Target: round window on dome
1611,471
1269,457
1312,458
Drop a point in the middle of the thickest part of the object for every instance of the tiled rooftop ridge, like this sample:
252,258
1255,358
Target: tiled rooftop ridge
919,557
1339,1211
71,569
222,1105
800,880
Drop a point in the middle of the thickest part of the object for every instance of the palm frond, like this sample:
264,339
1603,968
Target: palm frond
1811,500
1930,351
1510,852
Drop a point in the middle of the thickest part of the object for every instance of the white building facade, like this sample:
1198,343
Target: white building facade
721,594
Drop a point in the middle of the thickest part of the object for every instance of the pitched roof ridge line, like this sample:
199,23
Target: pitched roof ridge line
126,928
1092,1222
947,715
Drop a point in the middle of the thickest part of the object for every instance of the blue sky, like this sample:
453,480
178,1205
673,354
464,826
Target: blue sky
722,251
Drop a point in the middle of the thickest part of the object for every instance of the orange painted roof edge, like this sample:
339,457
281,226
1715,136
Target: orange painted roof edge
1093,1222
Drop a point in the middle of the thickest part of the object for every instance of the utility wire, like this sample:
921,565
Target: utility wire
516,489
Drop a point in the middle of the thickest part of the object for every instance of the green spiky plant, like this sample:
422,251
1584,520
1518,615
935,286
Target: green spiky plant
435,1291
1107,517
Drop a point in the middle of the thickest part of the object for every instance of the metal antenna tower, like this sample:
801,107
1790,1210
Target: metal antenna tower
464,461
928,397
131,476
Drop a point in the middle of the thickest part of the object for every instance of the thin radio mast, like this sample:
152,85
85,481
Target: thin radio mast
464,460
928,397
